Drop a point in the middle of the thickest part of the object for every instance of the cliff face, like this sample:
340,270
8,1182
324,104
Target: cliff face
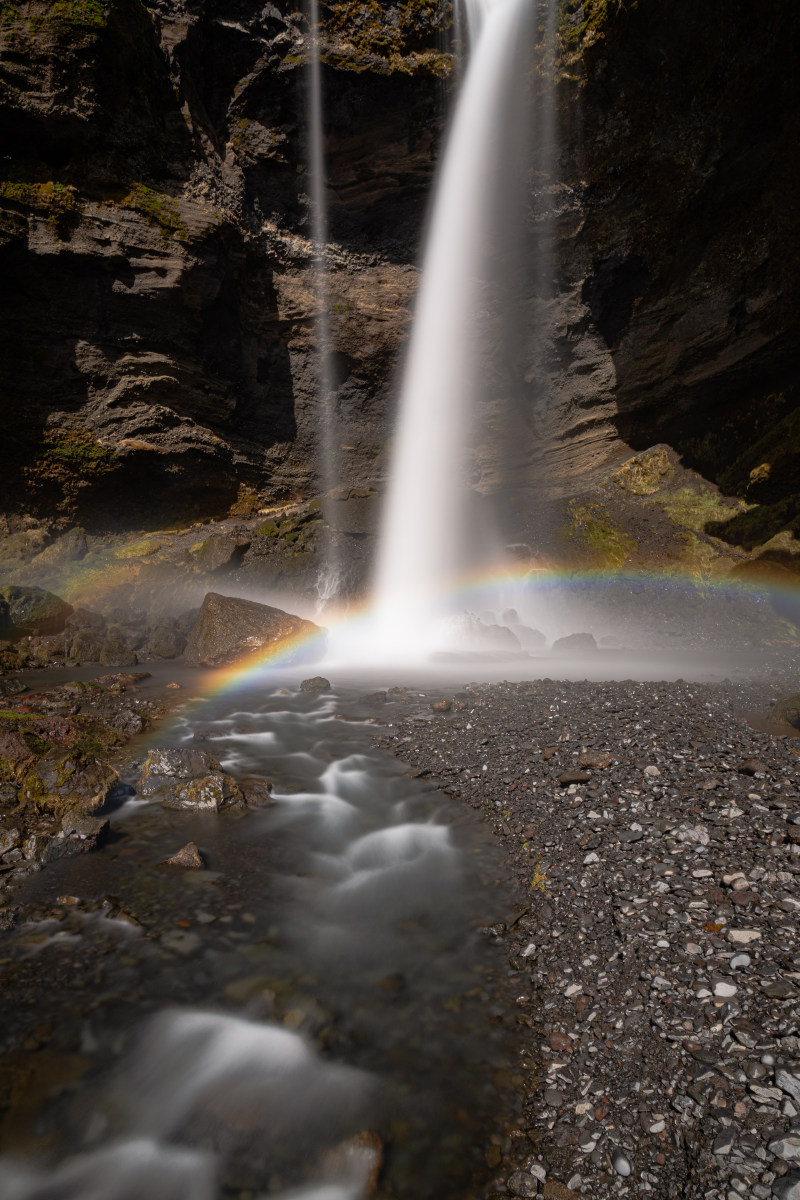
157,322
157,343
687,248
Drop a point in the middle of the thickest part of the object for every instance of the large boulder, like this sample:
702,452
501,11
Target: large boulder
229,630
32,611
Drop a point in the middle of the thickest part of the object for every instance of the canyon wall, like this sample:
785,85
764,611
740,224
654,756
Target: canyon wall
157,359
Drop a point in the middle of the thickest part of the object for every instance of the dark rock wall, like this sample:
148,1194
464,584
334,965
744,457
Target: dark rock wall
681,123
157,322
157,355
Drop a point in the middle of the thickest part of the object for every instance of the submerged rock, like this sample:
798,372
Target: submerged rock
257,793
229,629
359,1158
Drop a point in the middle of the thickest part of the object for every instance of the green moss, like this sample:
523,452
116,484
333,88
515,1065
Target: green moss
92,14
406,43
58,200
59,14
75,448
141,548
759,524
700,557
697,508
592,530
266,529
581,24
158,207
646,473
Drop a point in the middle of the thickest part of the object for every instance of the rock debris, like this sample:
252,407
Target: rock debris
655,838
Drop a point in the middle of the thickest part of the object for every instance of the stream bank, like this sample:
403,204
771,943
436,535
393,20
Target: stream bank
653,833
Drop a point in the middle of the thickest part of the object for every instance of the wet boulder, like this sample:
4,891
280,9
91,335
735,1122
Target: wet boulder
67,779
163,767
32,612
46,650
257,793
229,630
315,685
189,779
116,653
575,643
85,618
85,646
528,638
78,834
211,793
165,640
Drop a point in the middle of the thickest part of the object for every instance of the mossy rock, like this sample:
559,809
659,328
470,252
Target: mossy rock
403,38
698,507
67,780
645,473
700,558
770,468
593,531
33,611
142,548
160,208
267,529
755,526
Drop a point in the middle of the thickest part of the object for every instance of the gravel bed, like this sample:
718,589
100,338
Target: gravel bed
655,838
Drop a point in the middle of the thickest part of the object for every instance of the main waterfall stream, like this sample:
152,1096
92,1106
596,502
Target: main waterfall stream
218,1033
429,537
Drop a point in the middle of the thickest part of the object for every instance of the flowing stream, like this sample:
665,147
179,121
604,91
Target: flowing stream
219,1033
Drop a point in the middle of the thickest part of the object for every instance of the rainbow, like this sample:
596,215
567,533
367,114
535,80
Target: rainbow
502,586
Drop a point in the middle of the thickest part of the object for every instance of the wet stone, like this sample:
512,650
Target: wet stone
315,685
523,1185
654,1015
188,858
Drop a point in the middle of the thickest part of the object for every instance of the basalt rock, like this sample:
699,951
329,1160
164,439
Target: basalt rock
157,320
155,250
229,629
32,611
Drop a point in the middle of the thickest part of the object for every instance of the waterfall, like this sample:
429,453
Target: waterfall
327,474
428,538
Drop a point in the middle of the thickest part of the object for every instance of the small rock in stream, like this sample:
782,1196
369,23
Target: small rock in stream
188,858
317,684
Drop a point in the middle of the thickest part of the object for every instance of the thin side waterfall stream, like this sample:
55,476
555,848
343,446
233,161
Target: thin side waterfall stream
221,1032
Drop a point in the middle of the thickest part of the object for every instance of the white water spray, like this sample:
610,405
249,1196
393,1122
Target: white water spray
425,540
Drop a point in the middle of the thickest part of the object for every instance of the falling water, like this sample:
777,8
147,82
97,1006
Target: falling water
426,539
326,445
